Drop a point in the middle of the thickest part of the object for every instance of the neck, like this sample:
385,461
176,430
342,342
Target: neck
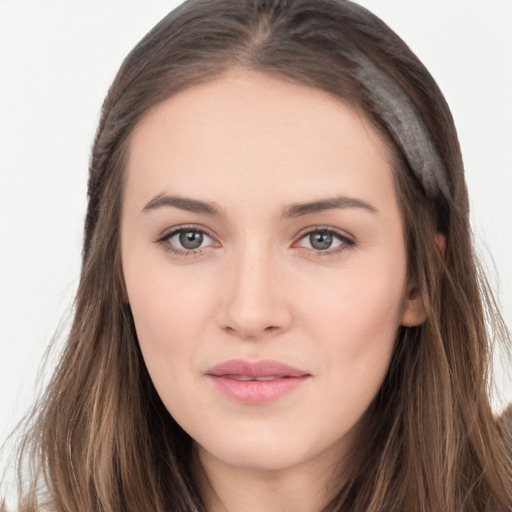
308,487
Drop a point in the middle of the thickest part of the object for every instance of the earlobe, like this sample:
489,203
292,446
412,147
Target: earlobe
441,242
414,312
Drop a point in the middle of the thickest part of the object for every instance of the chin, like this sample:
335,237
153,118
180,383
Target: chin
260,452
254,457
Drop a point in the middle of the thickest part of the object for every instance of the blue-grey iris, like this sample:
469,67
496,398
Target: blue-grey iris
191,239
320,241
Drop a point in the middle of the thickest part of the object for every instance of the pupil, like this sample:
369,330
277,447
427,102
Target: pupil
191,239
320,241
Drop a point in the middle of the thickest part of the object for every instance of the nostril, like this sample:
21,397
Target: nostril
250,333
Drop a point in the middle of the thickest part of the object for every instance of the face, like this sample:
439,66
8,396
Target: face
265,266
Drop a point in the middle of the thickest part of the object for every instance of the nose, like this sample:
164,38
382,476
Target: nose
255,302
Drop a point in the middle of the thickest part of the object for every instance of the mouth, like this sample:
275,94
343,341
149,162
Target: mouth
247,378
256,383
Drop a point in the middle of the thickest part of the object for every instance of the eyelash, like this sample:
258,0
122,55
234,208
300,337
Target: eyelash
164,241
346,242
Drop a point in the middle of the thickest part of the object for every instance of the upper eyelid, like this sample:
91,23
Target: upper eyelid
164,240
327,229
170,232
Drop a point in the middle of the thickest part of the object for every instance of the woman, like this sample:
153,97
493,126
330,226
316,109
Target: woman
279,307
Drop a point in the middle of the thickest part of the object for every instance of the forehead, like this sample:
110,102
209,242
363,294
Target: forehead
247,130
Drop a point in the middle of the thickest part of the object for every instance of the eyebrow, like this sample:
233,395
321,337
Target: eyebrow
294,210
300,209
183,203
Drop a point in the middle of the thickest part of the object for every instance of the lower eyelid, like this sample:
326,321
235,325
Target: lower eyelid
344,238
344,241
164,241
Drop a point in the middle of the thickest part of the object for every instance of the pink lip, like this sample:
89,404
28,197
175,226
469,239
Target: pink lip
227,377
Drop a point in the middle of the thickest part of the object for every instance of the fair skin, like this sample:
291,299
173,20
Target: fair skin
248,275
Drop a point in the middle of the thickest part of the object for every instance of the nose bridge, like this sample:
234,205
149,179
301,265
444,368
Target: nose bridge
255,302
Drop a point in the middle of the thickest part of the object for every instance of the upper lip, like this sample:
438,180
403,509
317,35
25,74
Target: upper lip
263,368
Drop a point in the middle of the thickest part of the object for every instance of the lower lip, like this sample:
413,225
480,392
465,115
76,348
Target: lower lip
255,392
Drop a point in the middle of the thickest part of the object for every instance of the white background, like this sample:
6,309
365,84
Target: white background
57,59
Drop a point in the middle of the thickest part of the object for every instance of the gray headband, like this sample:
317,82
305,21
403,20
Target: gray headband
407,127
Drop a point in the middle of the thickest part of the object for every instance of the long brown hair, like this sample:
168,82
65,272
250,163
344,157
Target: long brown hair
101,439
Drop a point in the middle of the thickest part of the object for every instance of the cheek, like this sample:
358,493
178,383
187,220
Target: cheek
165,295
169,313
359,333
357,305
355,324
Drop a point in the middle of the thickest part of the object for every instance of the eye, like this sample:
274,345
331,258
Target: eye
186,240
325,240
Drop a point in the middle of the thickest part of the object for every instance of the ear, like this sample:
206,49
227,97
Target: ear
413,311
441,242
